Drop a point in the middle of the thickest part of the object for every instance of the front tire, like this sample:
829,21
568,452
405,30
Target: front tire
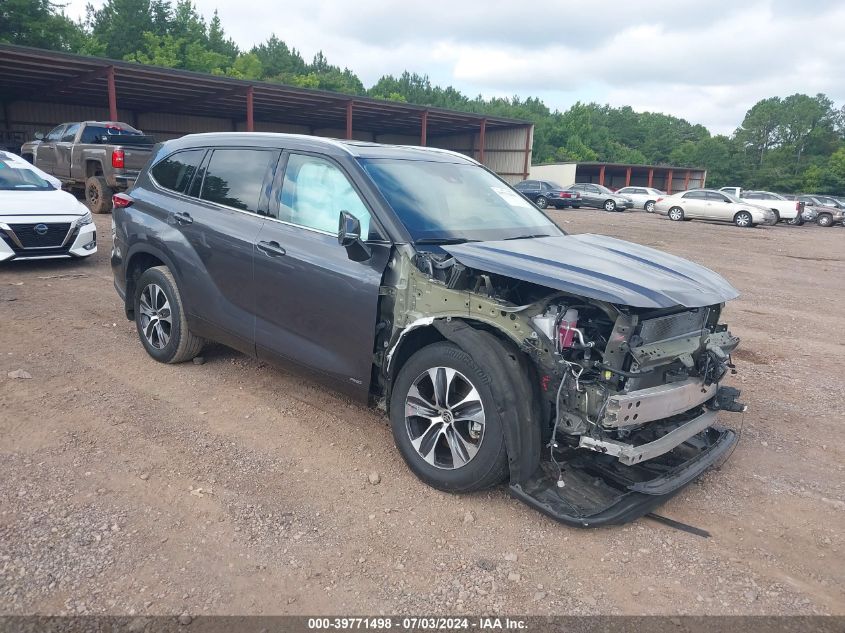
676,214
445,420
542,202
777,215
98,194
649,206
160,318
609,205
744,220
825,220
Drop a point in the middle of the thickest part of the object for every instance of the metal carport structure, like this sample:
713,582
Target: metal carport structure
41,88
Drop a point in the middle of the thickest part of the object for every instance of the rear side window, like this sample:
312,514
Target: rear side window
717,197
234,177
95,133
695,195
176,171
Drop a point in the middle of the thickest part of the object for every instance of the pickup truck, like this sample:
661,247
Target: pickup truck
99,157
788,210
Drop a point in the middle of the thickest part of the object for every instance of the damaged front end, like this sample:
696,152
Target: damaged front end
627,380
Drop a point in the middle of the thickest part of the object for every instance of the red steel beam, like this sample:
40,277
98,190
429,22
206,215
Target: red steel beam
703,178
482,137
686,180
650,176
628,177
601,175
349,120
112,94
525,163
669,182
424,128
250,103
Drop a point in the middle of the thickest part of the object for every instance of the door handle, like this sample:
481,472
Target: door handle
183,218
271,249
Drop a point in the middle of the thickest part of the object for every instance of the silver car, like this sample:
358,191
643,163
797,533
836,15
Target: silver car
707,204
642,197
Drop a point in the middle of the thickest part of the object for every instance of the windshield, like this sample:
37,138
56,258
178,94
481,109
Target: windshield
730,197
13,177
603,189
455,202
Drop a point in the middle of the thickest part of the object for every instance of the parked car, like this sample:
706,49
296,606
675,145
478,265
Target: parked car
707,204
601,197
99,157
37,219
826,212
642,197
789,210
418,282
545,192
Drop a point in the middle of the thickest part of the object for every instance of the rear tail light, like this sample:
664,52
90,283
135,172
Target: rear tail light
659,199
118,159
121,200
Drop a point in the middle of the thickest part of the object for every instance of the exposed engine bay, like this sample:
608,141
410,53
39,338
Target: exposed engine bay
636,388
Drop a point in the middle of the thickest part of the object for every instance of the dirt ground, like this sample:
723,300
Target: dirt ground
233,487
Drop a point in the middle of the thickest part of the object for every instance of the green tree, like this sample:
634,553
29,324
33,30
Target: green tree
39,23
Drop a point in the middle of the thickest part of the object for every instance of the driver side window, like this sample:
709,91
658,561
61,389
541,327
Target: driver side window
55,134
315,191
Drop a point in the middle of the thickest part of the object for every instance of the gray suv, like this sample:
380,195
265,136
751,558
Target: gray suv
585,370
600,197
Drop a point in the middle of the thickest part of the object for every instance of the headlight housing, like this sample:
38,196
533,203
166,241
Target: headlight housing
85,219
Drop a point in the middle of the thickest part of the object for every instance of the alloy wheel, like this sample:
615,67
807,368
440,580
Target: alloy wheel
156,323
610,205
444,418
649,206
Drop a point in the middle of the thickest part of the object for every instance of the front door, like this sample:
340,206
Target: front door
64,149
313,304
45,154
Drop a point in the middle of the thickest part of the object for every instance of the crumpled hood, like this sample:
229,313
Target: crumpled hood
19,203
601,268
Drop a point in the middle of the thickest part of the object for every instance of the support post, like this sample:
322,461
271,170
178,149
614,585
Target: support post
349,120
601,175
250,104
481,140
628,177
112,94
424,128
703,178
669,182
525,163
686,180
650,177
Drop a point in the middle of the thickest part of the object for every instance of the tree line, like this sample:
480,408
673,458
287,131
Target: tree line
795,143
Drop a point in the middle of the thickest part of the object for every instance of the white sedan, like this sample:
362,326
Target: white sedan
37,219
707,204
643,197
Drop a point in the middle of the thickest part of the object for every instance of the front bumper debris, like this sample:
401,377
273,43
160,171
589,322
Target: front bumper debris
599,490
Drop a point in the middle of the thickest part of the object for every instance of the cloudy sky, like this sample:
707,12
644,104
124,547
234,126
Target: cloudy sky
705,60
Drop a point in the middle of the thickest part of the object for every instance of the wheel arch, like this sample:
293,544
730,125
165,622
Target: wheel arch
93,167
138,260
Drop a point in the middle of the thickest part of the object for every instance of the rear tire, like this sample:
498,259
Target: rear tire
160,318
98,194
426,441
542,202
649,206
676,214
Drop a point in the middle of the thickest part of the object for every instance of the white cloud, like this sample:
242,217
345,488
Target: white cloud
705,61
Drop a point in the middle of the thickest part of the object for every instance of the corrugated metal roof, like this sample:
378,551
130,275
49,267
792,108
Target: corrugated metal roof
49,76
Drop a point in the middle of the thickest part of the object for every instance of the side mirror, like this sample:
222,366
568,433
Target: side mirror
349,236
39,136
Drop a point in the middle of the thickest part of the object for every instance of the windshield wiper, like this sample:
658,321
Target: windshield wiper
443,241
527,237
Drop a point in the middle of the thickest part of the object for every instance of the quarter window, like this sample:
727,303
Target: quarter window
234,177
176,171
70,133
315,191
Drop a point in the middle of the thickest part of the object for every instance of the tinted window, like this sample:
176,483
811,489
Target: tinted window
530,185
717,197
176,171
234,177
70,133
695,195
315,191
93,133
55,134
752,196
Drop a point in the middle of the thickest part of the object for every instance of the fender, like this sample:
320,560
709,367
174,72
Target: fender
145,248
517,407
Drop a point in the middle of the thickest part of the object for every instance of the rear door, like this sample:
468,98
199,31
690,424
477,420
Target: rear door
63,151
219,218
695,204
313,305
